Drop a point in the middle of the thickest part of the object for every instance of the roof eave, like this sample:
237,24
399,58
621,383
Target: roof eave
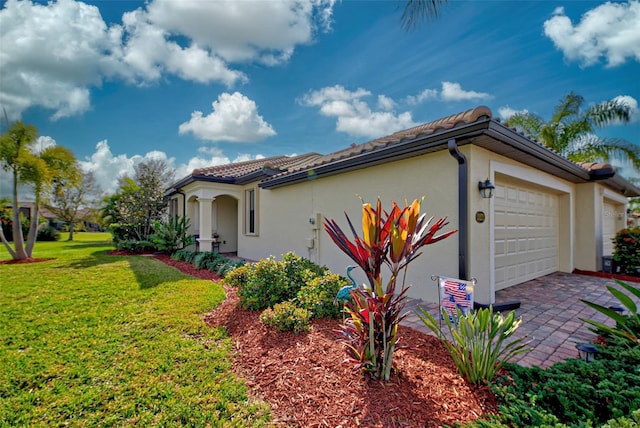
409,148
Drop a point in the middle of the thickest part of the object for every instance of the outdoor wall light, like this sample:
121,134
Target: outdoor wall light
486,188
586,352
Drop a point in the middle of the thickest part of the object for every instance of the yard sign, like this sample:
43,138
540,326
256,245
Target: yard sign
455,293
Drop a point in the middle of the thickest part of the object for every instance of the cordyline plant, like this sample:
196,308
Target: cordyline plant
394,239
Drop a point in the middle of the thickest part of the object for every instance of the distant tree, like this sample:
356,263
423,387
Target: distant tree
417,11
571,131
138,202
37,169
73,198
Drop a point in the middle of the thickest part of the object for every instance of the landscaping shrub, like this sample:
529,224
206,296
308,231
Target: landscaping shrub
208,260
227,266
478,346
627,326
286,316
269,281
184,255
48,233
626,251
135,246
318,295
572,391
172,235
623,422
239,276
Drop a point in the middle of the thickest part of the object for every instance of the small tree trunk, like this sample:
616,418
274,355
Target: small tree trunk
18,237
71,225
33,228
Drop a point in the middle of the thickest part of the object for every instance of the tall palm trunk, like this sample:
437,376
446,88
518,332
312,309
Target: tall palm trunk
18,237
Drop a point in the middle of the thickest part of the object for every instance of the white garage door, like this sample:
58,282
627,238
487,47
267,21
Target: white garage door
525,233
610,225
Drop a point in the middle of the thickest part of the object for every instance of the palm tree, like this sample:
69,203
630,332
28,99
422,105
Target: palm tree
38,170
416,11
571,131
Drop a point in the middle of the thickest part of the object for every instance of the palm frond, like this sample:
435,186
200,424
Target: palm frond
416,11
608,112
569,107
592,148
527,123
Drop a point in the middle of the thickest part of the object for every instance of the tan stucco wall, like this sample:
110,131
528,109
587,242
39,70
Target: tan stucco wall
289,218
485,164
285,214
227,223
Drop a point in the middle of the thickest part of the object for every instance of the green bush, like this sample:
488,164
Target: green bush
228,266
269,281
239,276
478,347
623,422
207,260
135,246
572,390
286,316
626,251
48,233
318,295
184,256
172,235
627,326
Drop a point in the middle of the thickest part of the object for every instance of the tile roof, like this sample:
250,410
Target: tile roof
445,123
240,169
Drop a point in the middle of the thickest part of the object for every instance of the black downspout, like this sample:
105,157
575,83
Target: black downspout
462,208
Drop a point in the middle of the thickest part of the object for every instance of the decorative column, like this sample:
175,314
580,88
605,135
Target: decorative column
205,223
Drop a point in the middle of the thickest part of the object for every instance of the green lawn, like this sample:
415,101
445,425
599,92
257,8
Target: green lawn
89,339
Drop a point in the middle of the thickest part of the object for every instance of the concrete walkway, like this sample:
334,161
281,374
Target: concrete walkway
551,310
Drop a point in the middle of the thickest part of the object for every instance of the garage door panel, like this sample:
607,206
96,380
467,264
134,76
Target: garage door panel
525,233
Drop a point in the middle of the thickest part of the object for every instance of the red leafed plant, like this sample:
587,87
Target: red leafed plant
394,239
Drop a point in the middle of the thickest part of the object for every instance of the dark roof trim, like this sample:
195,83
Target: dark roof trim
406,149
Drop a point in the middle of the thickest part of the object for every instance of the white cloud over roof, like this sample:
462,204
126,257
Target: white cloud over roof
610,31
506,112
234,118
353,115
450,91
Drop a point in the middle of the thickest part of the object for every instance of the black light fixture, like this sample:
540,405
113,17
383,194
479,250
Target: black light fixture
587,352
486,188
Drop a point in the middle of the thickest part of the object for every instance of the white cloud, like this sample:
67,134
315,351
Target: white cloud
422,96
107,168
506,112
53,54
386,103
353,115
633,106
265,31
50,54
452,91
610,31
234,118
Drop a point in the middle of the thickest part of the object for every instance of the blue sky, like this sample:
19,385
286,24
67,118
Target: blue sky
200,83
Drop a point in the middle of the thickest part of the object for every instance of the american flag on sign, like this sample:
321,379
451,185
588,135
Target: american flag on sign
456,293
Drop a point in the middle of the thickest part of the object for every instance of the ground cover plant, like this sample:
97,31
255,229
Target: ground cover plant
89,339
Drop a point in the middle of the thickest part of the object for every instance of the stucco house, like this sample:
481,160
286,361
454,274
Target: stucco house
546,213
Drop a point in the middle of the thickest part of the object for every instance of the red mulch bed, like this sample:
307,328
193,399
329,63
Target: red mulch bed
620,276
306,382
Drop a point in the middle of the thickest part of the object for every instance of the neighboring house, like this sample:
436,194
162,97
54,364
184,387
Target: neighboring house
26,208
547,214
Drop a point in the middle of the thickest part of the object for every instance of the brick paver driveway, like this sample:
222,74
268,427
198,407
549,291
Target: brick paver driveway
551,310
